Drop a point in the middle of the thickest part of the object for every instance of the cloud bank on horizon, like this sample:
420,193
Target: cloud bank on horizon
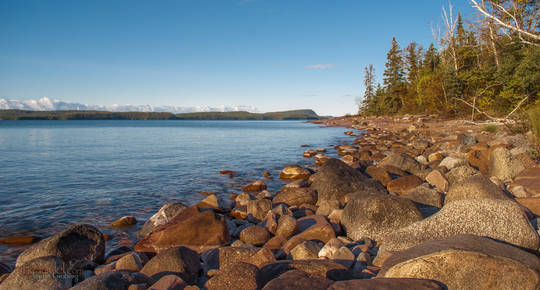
47,104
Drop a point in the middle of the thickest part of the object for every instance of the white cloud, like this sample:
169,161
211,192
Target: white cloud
319,66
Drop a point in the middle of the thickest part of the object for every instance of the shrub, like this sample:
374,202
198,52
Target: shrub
534,118
490,128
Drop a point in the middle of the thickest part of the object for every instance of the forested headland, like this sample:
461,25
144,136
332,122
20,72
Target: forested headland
103,115
485,67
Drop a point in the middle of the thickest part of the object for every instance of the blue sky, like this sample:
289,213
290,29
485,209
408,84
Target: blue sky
271,54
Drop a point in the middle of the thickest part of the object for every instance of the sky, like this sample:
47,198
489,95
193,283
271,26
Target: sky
272,54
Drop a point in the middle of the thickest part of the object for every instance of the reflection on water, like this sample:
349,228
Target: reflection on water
57,173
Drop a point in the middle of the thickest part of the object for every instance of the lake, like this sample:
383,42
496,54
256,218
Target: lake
54,174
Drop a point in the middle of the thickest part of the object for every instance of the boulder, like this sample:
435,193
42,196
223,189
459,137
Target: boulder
114,280
191,228
168,282
498,219
335,180
125,221
259,208
503,165
529,179
78,243
330,249
452,162
531,203
460,173
241,276
438,180
330,270
255,235
425,195
179,261
315,228
163,216
287,226
270,222
403,162
134,261
437,156
479,159
306,251
39,273
379,174
296,197
223,257
255,186
295,279
375,215
477,186
455,262
215,203
404,184
295,172
386,284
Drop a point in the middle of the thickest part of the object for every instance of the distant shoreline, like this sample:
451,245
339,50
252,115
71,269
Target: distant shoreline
106,115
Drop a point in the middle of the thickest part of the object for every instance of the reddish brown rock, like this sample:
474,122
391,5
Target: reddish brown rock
259,208
275,243
255,186
438,180
168,282
270,222
386,284
255,235
480,159
531,203
19,240
379,174
221,258
178,261
295,279
296,197
530,180
287,226
294,172
404,184
241,276
191,228
330,270
132,262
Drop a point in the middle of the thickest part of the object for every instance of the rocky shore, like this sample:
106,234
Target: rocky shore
413,203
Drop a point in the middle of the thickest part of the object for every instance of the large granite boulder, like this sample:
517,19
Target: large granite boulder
113,280
467,262
197,230
78,243
39,273
241,276
295,279
502,220
163,216
386,284
477,186
403,162
335,180
460,173
179,261
503,165
375,215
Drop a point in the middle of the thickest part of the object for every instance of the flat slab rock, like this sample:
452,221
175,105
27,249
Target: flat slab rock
530,180
386,284
465,262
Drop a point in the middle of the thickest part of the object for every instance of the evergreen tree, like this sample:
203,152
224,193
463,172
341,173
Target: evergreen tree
369,104
394,85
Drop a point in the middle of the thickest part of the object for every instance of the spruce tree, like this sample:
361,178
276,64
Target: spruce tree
369,104
393,80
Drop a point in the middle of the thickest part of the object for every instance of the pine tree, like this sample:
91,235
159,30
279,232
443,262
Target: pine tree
393,80
369,104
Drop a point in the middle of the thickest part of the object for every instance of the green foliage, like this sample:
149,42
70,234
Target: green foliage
478,64
286,115
490,128
534,118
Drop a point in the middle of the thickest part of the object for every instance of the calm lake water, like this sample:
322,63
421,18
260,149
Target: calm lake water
57,173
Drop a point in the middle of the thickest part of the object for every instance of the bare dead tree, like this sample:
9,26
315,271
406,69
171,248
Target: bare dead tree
450,24
521,21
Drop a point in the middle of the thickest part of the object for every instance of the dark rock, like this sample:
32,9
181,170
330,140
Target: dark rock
386,284
403,162
296,197
295,279
331,270
255,235
39,273
375,215
241,276
114,280
425,195
335,180
80,242
168,282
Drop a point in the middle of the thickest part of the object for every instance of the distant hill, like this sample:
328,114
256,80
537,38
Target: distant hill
104,115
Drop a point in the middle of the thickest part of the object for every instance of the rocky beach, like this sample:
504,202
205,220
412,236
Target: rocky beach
414,202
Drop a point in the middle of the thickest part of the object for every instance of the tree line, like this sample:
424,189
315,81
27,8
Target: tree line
479,68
